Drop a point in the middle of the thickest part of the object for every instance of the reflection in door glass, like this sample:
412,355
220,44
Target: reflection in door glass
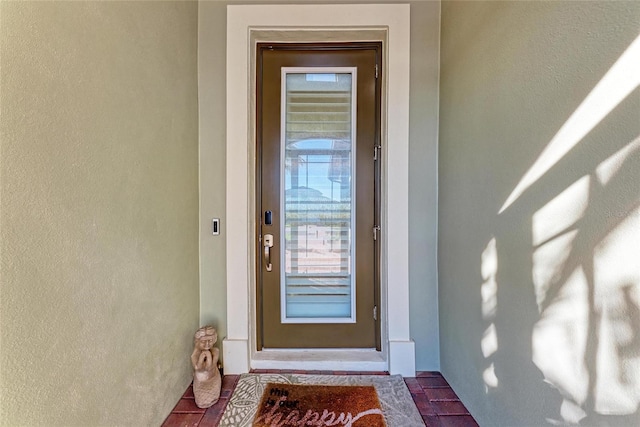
317,196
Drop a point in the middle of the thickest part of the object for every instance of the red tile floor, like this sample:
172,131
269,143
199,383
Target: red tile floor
436,401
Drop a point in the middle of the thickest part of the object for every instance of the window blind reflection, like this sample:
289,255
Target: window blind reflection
317,195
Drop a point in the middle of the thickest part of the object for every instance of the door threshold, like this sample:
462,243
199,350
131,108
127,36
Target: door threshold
320,359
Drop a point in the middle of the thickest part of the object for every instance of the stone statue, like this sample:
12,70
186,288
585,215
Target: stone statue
206,375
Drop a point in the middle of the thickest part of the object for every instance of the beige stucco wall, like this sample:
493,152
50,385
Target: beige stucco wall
422,173
212,65
99,208
540,298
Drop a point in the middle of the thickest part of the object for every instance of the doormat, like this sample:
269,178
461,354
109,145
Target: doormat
396,403
319,405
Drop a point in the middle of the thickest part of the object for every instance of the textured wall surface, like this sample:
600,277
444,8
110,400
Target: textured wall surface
539,218
99,210
423,183
212,66
422,169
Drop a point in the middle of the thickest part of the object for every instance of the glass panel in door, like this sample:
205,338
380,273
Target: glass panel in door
318,163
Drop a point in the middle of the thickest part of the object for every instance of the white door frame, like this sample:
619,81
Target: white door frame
246,24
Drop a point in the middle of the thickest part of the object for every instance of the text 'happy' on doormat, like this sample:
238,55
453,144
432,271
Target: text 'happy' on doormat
285,405
395,399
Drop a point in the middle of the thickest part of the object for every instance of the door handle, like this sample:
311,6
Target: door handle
268,244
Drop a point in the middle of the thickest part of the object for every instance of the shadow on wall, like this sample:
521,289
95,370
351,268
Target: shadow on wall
575,225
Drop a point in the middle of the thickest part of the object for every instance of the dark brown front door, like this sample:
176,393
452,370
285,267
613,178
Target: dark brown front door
318,127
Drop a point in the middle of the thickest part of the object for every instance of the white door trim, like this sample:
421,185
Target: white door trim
398,355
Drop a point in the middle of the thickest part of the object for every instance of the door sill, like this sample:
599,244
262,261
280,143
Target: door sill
320,360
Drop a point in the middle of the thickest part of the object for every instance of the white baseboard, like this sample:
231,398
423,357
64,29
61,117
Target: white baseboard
402,358
235,356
